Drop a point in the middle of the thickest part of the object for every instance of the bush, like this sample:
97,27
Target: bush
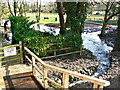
20,27
38,43
41,45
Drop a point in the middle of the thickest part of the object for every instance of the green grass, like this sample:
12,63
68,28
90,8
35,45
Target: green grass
51,17
111,22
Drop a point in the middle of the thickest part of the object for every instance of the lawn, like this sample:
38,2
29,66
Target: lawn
51,18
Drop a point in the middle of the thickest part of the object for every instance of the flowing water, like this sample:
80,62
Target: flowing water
93,43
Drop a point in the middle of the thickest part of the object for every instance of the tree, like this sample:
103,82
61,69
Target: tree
17,7
38,10
76,14
110,11
3,10
60,11
117,44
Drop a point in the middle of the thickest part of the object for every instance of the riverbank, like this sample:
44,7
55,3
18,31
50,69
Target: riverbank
112,74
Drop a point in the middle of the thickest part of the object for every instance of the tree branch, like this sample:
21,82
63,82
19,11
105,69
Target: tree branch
104,3
9,7
111,16
111,6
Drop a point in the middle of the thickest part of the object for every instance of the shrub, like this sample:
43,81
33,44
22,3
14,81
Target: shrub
20,27
41,45
38,43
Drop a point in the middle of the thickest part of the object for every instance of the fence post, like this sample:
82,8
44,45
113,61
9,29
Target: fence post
33,64
21,52
65,81
95,86
0,63
45,77
55,53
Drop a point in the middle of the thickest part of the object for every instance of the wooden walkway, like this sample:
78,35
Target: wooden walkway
26,77
22,81
18,77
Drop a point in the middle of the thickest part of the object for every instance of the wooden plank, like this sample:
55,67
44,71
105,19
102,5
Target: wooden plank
33,64
101,87
9,56
28,58
58,49
60,55
32,54
45,70
53,82
9,60
21,53
1,53
16,45
2,57
95,86
71,73
79,75
38,70
40,81
65,81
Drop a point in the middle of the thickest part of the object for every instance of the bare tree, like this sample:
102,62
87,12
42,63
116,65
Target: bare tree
110,11
38,10
9,7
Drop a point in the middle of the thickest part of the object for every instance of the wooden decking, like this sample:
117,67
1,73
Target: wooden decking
22,81
18,77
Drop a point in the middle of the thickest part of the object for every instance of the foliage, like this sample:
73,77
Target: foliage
76,14
20,27
42,45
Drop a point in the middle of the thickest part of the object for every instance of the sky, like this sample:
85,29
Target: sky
43,2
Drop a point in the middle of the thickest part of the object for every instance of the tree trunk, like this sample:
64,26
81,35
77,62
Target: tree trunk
103,28
68,21
60,11
117,43
105,21
15,12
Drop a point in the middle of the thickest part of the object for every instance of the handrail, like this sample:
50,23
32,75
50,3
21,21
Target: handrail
98,83
15,45
19,53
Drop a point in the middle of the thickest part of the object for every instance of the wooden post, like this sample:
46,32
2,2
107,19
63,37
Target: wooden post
33,64
95,86
21,52
0,63
65,81
101,87
45,78
55,53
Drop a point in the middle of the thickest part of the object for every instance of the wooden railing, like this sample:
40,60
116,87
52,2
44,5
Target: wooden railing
18,57
41,72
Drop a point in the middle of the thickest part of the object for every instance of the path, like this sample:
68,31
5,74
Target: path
11,70
22,81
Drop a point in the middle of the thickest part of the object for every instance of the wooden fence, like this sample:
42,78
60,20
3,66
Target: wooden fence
41,71
17,57
56,52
